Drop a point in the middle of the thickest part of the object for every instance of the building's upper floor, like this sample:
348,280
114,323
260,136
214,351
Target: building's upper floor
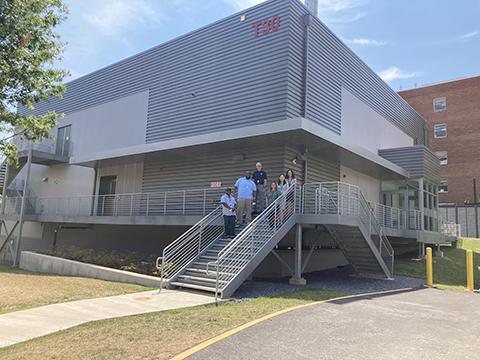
271,68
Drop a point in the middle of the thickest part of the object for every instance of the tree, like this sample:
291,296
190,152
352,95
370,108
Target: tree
29,51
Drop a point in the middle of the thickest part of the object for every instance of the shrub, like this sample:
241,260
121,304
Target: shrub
133,261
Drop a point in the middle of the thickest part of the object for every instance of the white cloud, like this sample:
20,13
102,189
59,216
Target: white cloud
394,73
112,17
244,4
325,7
470,35
365,42
339,5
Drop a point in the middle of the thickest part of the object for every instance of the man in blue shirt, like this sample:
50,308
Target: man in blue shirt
246,192
228,203
259,177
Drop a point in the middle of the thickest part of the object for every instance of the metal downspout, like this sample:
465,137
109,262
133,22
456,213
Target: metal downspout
307,20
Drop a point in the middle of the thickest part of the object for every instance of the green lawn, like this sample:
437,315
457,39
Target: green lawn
449,272
155,336
21,290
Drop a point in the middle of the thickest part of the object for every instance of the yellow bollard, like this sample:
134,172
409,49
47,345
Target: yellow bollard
469,270
429,267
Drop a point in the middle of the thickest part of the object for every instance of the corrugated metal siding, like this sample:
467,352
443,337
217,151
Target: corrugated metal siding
320,170
333,65
418,160
237,79
196,170
192,169
296,66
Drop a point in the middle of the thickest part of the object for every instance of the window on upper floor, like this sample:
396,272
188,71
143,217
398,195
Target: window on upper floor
443,187
440,131
442,156
439,104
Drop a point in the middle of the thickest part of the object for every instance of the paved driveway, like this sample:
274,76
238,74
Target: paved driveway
421,324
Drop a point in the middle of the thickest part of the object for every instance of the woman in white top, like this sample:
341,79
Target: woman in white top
282,183
290,178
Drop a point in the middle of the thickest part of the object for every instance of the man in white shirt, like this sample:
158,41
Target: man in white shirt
228,204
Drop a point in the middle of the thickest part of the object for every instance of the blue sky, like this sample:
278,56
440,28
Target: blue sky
407,42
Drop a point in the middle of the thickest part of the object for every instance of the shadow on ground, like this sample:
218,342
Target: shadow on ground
339,279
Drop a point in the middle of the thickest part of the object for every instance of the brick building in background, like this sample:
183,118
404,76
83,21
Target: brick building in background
452,111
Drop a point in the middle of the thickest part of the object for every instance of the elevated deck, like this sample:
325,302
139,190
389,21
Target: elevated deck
186,207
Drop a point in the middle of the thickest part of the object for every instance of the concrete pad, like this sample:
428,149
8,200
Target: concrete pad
28,324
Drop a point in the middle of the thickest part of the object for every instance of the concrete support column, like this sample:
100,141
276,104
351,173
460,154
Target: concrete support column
297,279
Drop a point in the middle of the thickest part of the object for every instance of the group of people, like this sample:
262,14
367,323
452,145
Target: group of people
252,196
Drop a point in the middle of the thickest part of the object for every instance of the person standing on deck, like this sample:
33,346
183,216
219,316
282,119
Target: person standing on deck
228,203
259,177
246,191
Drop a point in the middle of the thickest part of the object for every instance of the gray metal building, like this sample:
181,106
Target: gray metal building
148,143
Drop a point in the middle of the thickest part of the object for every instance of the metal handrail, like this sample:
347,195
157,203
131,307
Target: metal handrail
251,240
176,202
186,248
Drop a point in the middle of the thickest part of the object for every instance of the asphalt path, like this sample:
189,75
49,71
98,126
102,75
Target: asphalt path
418,324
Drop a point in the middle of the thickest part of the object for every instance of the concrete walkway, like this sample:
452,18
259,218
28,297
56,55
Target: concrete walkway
422,324
20,326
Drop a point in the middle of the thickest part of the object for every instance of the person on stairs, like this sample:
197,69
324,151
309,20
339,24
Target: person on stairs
246,191
229,203
259,177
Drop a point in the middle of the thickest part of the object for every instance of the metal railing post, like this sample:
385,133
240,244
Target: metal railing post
348,200
131,205
200,239
184,198
294,199
370,222
204,200
165,203
103,205
339,198
148,204
275,219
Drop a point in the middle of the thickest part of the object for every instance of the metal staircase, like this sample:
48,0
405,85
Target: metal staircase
203,259
197,275
356,229
220,265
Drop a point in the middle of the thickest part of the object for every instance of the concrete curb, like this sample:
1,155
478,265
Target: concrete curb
54,265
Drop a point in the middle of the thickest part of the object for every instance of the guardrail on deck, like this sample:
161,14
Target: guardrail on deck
184,202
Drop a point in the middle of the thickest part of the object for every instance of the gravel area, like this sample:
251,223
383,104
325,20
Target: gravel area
340,279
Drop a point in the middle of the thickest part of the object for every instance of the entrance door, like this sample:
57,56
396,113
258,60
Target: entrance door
63,140
106,196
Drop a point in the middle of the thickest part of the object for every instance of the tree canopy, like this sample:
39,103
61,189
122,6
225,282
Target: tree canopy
30,50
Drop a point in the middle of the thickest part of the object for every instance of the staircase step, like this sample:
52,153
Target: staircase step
198,279
193,286
203,272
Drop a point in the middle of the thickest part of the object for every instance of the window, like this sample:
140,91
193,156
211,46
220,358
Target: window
443,187
439,104
440,131
443,157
